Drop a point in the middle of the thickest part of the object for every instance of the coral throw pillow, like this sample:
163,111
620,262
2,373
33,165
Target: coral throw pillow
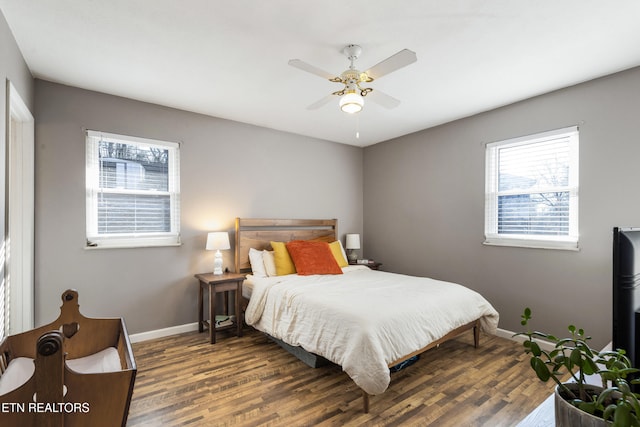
312,258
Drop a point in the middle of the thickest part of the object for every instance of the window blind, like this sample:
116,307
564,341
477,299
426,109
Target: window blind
5,300
532,190
133,191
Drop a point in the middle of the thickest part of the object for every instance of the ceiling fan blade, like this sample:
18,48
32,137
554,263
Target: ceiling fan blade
319,103
383,99
392,63
311,69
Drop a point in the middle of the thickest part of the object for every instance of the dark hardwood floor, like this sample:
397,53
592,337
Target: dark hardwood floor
249,381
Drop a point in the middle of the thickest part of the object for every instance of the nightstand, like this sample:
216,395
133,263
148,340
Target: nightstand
371,264
219,283
374,265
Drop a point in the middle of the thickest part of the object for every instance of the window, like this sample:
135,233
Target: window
133,191
531,191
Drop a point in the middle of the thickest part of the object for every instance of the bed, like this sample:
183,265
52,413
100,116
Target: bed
366,321
74,371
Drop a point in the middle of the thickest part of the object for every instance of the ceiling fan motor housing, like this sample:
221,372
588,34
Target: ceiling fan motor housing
353,76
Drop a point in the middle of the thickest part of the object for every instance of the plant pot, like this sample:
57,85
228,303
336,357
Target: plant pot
568,415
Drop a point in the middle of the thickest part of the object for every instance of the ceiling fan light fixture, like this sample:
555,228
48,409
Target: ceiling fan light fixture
351,103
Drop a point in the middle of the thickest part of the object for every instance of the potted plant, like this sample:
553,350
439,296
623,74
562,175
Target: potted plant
572,359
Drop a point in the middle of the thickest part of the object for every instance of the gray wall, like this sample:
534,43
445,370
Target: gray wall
13,69
228,169
424,205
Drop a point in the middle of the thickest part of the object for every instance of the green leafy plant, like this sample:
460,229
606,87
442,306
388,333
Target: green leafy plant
572,359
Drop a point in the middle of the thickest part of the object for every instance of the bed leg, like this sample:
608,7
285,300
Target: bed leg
365,401
476,334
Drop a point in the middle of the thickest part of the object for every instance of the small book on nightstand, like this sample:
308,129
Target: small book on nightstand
223,320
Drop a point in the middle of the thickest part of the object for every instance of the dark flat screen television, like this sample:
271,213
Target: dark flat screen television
626,292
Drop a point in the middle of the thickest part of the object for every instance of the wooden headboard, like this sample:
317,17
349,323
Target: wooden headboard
259,233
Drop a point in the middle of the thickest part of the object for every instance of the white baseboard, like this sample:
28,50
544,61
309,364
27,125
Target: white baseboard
165,332
503,333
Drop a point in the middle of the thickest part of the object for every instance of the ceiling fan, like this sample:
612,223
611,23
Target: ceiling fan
352,94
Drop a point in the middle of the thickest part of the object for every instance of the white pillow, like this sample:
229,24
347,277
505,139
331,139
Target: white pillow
257,263
269,263
17,373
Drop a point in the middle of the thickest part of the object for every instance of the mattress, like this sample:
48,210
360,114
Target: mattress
247,287
363,320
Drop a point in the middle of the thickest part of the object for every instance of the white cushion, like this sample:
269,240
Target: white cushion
106,360
17,373
269,263
21,369
257,264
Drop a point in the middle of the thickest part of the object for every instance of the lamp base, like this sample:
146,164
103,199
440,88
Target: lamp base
352,255
217,264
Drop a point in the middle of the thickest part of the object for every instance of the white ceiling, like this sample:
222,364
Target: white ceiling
229,58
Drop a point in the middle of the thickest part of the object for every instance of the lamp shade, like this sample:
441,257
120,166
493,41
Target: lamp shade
351,102
218,240
352,241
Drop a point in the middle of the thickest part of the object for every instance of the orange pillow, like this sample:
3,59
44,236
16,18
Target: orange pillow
312,258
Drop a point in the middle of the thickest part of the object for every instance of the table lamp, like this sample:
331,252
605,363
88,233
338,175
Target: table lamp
218,240
352,243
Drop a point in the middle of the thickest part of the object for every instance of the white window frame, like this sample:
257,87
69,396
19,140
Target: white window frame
129,240
492,237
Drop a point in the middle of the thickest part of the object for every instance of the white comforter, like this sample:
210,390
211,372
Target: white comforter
363,319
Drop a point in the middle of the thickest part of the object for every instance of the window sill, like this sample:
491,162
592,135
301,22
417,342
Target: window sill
132,245
533,244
